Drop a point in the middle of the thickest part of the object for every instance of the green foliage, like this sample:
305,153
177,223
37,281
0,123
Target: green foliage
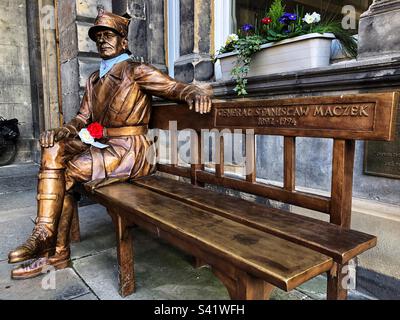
348,42
280,26
246,48
276,11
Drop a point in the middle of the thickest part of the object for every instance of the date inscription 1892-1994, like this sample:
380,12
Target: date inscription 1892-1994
336,116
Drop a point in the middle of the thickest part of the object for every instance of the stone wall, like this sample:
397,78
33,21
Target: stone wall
146,31
194,63
15,91
78,53
379,30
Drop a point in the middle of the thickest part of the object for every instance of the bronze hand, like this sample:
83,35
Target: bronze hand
201,99
48,137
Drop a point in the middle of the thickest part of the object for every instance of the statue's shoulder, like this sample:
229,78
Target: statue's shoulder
138,68
94,76
129,68
131,63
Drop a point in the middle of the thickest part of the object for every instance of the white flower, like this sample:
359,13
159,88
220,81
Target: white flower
86,137
317,17
309,19
312,18
232,38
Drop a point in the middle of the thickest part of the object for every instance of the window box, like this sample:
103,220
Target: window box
299,53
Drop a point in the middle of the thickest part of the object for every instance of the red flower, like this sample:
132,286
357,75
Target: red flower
96,130
266,20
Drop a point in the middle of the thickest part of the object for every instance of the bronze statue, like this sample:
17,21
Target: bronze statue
116,107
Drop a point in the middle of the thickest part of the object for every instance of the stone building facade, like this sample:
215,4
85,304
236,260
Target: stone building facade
46,69
15,92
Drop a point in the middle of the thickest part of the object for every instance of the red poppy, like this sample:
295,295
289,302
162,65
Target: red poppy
266,20
96,130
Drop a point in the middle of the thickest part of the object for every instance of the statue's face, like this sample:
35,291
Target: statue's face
110,44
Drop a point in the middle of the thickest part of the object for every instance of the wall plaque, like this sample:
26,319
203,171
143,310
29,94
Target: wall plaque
350,117
383,158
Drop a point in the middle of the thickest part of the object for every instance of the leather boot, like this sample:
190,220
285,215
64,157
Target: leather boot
51,189
62,257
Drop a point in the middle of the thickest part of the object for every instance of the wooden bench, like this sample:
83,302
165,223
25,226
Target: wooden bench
251,247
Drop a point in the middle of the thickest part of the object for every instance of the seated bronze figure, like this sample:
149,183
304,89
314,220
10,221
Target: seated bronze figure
117,105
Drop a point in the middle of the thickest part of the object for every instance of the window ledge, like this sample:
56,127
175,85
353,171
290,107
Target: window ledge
350,75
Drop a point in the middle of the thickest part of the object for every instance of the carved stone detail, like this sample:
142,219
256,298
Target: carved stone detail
381,6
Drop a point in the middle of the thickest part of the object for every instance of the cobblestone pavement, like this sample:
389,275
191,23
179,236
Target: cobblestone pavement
162,272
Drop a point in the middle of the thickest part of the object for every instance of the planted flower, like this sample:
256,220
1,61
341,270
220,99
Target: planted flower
266,20
277,25
247,28
312,18
287,18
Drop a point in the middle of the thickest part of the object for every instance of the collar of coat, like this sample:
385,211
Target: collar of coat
117,72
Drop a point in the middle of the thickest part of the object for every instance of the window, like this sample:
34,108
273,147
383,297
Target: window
173,35
248,11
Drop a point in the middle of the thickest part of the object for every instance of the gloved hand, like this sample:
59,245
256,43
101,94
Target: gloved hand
48,137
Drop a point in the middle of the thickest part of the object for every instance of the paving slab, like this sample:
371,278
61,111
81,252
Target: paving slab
12,234
355,295
97,232
19,170
162,272
315,288
67,285
17,200
87,297
17,184
278,294
27,213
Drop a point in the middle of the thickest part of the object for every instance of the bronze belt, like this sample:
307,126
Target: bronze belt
125,131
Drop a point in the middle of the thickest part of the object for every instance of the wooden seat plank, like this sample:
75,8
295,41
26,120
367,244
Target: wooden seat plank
277,261
339,243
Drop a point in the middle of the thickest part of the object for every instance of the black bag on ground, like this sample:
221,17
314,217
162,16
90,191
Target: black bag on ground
9,128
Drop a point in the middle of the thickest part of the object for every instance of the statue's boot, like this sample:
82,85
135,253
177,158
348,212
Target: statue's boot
62,257
42,241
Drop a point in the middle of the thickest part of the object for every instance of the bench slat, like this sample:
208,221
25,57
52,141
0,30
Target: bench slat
338,243
277,261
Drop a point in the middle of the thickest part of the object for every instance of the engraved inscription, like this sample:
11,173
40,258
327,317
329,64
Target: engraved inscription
340,111
329,116
383,158
388,160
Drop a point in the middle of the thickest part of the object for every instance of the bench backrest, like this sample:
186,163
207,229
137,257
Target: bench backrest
342,118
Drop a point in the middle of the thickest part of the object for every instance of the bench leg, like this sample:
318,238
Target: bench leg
75,229
245,286
125,255
336,279
250,288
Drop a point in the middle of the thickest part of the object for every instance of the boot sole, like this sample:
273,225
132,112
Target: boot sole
57,266
44,254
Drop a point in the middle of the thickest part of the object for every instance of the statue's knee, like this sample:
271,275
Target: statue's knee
53,158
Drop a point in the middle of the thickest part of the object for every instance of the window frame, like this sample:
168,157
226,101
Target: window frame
174,29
